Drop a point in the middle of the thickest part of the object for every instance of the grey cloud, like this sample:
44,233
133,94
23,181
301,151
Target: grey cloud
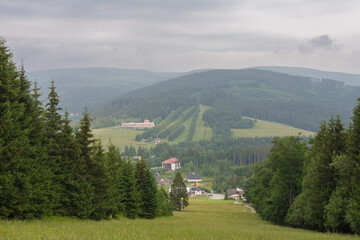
319,42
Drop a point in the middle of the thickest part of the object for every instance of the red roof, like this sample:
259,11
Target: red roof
170,160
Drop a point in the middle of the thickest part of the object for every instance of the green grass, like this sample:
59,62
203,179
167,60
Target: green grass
201,131
119,137
203,219
270,129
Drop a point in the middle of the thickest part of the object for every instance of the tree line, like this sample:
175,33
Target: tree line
47,168
312,184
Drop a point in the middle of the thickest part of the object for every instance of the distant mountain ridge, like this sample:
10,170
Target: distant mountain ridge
347,78
294,100
78,87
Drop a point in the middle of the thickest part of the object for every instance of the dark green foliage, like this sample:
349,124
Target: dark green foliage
220,116
226,197
113,165
147,191
53,125
176,132
129,198
164,207
100,182
193,125
335,210
178,191
319,181
23,177
277,182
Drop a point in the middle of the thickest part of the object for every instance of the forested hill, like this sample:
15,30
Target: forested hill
78,87
294,100
346,78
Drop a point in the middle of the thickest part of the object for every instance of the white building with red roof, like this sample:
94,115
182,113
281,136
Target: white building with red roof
171,164
132,125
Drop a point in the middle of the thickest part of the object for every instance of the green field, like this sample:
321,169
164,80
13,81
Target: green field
121,138
270,129
203,219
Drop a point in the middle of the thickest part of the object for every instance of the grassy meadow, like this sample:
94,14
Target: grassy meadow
203,219
270,129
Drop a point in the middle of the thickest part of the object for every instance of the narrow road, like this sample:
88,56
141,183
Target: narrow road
217,196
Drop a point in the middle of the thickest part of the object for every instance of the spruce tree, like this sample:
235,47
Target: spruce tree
53,126
87,148
146,188
178,191
21,179
113,165
129,198
100,181
353,208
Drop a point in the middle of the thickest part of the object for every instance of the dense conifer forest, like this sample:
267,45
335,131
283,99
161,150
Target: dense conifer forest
47,168
311,184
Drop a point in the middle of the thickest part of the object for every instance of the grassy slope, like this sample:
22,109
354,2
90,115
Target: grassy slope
201,131
203,219
270,129
118,136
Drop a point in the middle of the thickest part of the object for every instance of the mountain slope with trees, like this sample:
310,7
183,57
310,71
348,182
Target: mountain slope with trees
78,87
293,100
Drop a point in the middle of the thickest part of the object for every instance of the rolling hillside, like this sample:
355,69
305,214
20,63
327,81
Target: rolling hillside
346,78
78,87
293,100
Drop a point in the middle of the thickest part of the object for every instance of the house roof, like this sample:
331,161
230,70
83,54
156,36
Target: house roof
158,178
194,176
170,160
197,189
231,191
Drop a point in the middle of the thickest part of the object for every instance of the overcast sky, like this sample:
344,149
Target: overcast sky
182,35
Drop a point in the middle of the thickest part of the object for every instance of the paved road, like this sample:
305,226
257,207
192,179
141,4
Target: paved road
217,196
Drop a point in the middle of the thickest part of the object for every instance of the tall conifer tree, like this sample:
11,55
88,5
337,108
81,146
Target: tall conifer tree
113,165
178,191
146,188
52,135
129,198
21,192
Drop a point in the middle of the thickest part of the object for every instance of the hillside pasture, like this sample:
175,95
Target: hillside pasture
119,137
202,219
270,129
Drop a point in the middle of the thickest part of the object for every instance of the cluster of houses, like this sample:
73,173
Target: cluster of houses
173,164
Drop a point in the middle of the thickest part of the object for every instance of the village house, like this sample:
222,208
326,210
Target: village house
236,194
160,180
171,164
197,191
194,177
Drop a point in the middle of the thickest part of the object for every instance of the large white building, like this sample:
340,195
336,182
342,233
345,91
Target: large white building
171,164
132,125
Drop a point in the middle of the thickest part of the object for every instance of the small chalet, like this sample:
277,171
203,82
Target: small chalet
171,164
197,191
194,177
160,180
236,193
